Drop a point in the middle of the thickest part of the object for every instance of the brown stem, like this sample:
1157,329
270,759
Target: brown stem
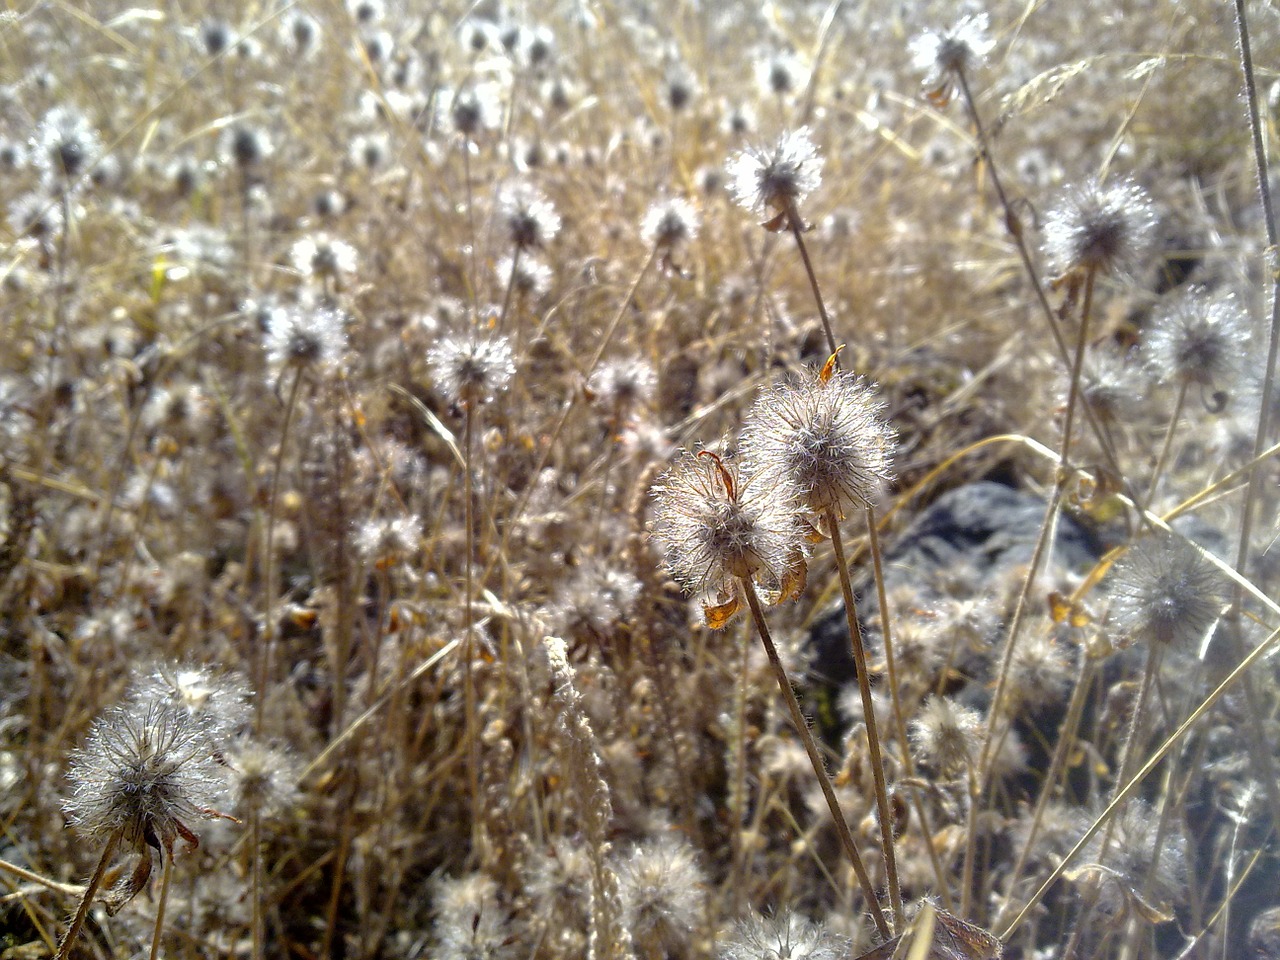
815,759
793,218
869,716
82,911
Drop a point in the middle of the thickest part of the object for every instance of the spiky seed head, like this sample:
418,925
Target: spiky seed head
472,369
717,525
245,146
64,144
529,217
824,435
1199,340
323,256
669,223
146,770
1164,591
298,339
784,936
776,178
943,54
1100,229
219,701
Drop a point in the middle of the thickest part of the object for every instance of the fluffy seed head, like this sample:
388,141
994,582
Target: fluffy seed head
943,53
947,734
784,936
65,143
146,769
298,338
669,223
776,178
1100,229
218,701
1200,341
470,369
323,256
717,526
529,217
1165,592
826,437
661,888
245,146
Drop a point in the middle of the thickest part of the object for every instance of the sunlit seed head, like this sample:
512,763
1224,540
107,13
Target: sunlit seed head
680,86
947,735
669,223
785,936
1100,229
1199,340
716,526
300,33
474,109
827,438
532,275
65,144
1164,591
661,889
304,339
472,370
779,177
146,770
779,73
529,217
323,256
244,146
956,50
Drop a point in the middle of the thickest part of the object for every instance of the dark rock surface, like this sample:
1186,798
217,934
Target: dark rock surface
980,534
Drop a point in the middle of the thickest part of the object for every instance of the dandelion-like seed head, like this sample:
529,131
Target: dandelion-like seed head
624,384
218,701
472,370
826,436
669,223
948,53
532,276
300,338
529,217
146,770
660,885
1164,591
65,143
784,936
680,86
779,73
300,33
716,526
1199,340
323,256
1100,229
778,178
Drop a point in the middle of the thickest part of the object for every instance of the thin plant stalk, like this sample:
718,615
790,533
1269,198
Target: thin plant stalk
474,278
869,715
82,911
468,646
166,876
268,566
899,720
797,231
1122,795
507,297
1167,445
255,870
1062,747
1128,750
1273,330
815,758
